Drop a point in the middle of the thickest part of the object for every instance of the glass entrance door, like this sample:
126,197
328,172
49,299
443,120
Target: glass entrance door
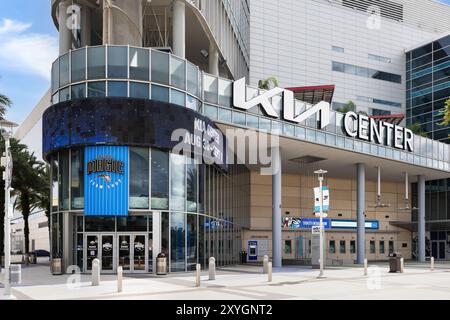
107,257
124,243
140,253
100,246
91,245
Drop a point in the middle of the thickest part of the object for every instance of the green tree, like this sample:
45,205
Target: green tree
268,83
446,113
416,128
349,106
5,103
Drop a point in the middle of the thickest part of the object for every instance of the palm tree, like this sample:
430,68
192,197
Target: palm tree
416,128
268,83
5,103
446,113
349,106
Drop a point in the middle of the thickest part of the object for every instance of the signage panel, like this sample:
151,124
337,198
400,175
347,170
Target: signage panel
106,181
352,224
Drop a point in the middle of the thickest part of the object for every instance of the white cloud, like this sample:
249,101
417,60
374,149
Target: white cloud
25,51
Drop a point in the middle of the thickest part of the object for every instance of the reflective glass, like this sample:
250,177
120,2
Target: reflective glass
191,102
177,73
177,241
64,94
225,92
78,65
139,64
55,76
239,118
192,186
139,178
64,187
177,182
117,62
211,112
77,178
160,67
132,223
54,164
192,79
96,63
160,93
96,89
78,91
139,90
64,70
117,89
191,237
177,97
210,87
160,179
225,115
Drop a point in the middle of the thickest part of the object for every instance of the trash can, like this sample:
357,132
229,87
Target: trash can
394,262
56,266
15,273
161,264
243,257
32,258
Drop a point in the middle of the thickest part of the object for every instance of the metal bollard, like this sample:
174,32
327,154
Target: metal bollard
432,263
119,279
15,271
212,268
269,272
265,264
402,265
198,268
95,272
365,267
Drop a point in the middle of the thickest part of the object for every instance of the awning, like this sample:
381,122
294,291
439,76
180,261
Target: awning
313,94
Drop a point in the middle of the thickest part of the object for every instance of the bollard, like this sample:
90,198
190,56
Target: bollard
265,264
15,271
197,275
212,268
365,267
432,263
95,272
402,265
269,271
119,279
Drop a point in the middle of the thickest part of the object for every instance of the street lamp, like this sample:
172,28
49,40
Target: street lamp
6,128
320,174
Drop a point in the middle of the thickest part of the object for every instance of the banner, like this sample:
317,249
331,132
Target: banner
325,197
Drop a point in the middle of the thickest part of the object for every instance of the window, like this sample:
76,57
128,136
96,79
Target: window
99,224
177,182
160,67
64,70
78,91
192,103
78,65
372,247
139,64
382,247
379,58
139,90
391,247
211,112
160,179
77,181
177,97
177,241
379,112
132,223
191,241
192,79
139,178
225,93
117,62
192,185
366,72
337,49
117,89
55,76
352,246
160,93
332,247
342,246
64,180
96,63
288,246
210,87
96,89
177,73
64,94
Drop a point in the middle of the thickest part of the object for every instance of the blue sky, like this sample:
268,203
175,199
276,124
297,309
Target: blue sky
28,45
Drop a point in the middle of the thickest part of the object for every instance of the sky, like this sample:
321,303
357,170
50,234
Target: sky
28,46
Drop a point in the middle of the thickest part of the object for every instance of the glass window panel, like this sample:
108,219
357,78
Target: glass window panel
78,65
300,132
331,139
64,70
99,224
192,185
210,87
139,90
160,179
77,181
55,76
78,91
276,127
211,112
139,178
177,182
225,115
289,129
342,246
64,187
177,73
64,94
191,237
264,124
177,241
225,92
160,67
310,135
55,185
191,102
177,97
117,62
320,137
96,63
192,79
252,121
117,89
132,223
239,118
160,93
96,89
139,64
348,143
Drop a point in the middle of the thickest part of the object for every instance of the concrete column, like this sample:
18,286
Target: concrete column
179,28
361,208
213,59
276,207
67,241
156,237
421,218
65,35
85,26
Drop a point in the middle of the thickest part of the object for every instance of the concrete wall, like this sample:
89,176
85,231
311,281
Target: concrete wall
39,232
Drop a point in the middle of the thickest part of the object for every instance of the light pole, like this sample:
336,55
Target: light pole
6,162
320,174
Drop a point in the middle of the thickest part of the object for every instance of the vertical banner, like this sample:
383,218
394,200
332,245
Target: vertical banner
325,199
106,181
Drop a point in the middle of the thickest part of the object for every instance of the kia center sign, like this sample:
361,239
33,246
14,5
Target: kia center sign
106,181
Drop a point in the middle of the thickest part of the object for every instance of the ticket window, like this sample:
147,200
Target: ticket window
252,250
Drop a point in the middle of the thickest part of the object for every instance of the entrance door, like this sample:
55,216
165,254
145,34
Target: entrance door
438,250
133,252
100,246
139,250
124,247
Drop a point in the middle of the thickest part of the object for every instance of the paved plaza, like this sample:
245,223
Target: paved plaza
245,282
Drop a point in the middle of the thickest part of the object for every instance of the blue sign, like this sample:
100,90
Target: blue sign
252,250
106,181
352,224
308,223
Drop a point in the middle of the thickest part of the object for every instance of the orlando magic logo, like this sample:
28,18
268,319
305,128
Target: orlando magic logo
102,169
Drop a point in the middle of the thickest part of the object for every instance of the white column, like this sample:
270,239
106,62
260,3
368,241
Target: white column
156,237
421,218
276,207
179,29
360,207
65,35
213,59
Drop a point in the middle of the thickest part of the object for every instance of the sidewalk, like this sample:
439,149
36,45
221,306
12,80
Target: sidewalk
246,282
